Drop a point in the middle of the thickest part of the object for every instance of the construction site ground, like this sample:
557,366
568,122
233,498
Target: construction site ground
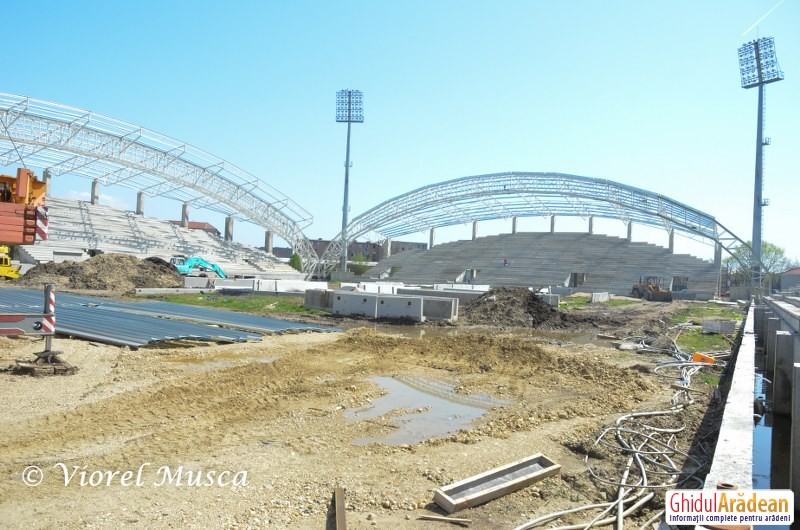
284,411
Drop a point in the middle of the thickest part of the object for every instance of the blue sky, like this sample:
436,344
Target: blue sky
643,93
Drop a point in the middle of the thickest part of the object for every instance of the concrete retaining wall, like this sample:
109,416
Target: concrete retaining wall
393,306
357,304
373,305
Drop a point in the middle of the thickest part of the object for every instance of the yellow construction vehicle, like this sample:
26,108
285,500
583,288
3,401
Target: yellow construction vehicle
23,217
651,289
6,269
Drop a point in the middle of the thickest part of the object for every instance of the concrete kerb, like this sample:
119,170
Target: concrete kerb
733,456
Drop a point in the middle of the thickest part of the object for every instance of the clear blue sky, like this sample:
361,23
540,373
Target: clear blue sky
644,93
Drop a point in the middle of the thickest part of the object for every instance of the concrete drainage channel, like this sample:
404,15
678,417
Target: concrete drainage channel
138,324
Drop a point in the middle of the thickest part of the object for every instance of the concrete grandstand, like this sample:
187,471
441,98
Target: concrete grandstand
79,229
581,261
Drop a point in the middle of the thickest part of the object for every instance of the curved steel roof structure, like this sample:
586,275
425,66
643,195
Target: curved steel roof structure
527,194
64,139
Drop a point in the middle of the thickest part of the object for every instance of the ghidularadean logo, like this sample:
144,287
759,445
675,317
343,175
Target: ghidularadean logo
766,507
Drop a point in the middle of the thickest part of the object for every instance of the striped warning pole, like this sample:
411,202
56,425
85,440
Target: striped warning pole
42,223
49,320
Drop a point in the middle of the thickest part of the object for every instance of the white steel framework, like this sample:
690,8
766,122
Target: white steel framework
67,140
524,194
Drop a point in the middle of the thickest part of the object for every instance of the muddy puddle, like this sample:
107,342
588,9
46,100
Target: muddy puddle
421,409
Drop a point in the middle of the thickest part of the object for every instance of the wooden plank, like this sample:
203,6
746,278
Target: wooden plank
495,483
444,519
338,496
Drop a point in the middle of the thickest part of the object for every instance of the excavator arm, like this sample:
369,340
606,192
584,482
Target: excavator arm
187,265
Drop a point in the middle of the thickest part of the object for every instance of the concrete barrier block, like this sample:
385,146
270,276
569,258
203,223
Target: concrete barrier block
239,283
393,306
297,286
196,282
551,299
319,299
439,308
355,303
599,297
722,327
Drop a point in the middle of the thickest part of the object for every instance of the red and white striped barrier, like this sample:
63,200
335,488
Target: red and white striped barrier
49,321
42,223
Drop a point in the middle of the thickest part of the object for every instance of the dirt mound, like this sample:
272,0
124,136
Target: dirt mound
509,307
518,307
108,272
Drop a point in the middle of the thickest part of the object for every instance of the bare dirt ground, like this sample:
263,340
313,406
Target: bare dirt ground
278,411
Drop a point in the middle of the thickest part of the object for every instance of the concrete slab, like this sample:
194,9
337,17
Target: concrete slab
600,297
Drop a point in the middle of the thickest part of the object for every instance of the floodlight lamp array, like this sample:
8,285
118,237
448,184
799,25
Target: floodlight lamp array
350,106
758,63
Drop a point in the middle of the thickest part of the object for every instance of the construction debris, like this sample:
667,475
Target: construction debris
495,483
452,520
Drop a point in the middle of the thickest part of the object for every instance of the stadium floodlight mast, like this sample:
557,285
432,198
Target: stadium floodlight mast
758,66
350,109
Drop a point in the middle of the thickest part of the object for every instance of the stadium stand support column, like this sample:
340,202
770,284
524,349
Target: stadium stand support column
140,203
718,256
229,228
432,237
514,225
672,241
630,231
185,215
552,224
387,248
474,230
591,224
46,178
268,242
95,197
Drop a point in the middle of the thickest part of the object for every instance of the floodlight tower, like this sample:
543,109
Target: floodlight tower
758,66
350,109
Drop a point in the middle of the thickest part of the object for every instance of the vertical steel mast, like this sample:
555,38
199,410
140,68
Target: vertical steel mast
758,66
350,109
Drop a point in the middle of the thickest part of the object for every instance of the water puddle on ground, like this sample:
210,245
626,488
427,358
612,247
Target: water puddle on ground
216,362
421,409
